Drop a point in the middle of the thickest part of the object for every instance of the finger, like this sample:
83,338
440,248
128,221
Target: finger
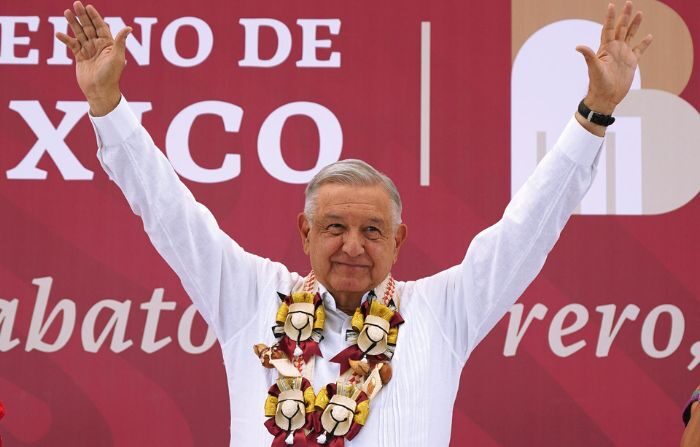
101,27
88,27
592,61
120,40
623,22
608,32
634,26
588,54
70,42
643,45
75,26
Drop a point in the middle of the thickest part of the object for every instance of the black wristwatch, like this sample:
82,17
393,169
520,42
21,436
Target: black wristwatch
595,117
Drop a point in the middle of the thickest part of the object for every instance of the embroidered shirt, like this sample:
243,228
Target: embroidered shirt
446,314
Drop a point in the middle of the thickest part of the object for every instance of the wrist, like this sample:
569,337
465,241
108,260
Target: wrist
103,102
599,104
593,128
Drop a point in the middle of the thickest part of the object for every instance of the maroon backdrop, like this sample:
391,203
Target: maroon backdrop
82,234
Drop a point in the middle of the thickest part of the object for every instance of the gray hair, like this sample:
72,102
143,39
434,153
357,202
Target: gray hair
353,173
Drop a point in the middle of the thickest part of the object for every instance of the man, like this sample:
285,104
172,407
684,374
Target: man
355,356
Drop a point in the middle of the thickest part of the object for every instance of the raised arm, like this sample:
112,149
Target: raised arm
469,299
218,275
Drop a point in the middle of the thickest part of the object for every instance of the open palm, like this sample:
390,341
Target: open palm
611,69
100,59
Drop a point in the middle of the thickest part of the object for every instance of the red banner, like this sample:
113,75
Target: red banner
455,101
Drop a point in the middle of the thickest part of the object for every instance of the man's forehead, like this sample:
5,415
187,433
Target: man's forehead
339,200
340,193
369,218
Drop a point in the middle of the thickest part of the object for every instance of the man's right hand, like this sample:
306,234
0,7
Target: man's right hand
99,58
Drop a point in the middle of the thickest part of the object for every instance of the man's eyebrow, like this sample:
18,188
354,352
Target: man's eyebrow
376,220
371,220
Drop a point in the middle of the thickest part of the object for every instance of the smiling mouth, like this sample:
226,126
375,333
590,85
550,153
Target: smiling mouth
356,266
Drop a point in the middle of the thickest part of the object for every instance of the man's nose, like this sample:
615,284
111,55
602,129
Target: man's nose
353,244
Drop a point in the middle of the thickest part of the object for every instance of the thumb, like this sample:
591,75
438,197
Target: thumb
120,40
587,53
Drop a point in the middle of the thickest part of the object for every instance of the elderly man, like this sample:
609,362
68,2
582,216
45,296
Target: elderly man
354,356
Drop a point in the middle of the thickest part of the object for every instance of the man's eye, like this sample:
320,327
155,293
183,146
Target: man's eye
373,232
335,228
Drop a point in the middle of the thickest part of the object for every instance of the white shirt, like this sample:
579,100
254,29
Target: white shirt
446,315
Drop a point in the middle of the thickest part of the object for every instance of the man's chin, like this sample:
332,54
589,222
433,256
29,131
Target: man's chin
350,285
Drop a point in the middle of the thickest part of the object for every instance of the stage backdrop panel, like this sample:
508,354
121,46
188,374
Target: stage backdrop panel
457,101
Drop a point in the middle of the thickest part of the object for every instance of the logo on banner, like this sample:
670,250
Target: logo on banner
649,161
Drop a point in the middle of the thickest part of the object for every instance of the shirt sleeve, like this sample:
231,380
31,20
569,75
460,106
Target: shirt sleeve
501,261
222,279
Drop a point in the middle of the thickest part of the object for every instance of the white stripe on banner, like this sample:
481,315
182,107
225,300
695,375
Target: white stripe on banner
425,104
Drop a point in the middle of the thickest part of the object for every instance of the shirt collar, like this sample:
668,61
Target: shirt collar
329,300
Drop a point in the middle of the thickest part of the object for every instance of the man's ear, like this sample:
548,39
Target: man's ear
400,236
304,228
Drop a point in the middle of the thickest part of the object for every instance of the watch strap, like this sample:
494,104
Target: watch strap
595,117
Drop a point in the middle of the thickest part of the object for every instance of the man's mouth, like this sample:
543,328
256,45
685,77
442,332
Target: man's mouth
351,265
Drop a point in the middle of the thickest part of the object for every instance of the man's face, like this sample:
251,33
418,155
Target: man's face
352,241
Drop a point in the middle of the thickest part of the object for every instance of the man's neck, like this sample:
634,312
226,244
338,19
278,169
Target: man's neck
347,302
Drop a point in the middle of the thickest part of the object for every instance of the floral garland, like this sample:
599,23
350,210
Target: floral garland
295,415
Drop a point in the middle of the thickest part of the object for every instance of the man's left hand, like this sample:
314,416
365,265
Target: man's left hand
611,69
